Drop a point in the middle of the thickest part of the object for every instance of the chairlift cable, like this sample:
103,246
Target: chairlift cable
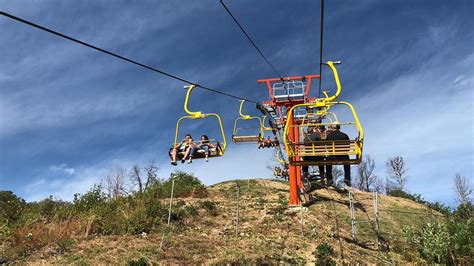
321,48
120,57
250,39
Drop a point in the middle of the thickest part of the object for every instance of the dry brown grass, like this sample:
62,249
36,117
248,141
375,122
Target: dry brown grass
269,231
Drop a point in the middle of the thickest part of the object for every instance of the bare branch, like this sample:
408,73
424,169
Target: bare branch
135,177
151,175
116,183
365,179
396,173
463,189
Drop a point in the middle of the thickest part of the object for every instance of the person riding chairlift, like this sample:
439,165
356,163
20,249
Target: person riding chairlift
185,146
204,145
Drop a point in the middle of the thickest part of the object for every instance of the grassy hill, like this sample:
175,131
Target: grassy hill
94,230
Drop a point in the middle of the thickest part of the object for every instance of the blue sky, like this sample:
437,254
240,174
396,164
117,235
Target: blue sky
68,113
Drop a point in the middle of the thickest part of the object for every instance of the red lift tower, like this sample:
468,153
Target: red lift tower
284,94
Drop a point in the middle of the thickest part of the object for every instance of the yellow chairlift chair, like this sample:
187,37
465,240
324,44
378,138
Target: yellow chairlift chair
217,148
331,150
238,136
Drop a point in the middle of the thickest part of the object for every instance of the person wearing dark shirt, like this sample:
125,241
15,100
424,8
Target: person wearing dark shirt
336,134
311,136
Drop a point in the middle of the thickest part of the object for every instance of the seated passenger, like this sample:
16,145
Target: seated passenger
203,145
261,143
184,146
275,142
336,134
313,135
277,171
330,129
268,142
322,132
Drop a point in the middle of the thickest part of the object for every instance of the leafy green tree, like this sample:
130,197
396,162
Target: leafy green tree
186,185
11,206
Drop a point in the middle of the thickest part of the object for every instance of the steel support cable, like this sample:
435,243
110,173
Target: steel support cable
250,39
321,48
121,57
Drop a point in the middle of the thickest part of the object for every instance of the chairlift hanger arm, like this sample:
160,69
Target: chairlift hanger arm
240,111
336,79
194,115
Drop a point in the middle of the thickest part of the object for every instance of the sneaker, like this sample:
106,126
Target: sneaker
174,163
183,160
190,161
207,160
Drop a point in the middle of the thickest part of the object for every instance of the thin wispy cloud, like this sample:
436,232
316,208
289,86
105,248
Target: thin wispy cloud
62,168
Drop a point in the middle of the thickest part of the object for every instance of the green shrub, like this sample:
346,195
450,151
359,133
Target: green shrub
11,207
90,200
186,185
4,229
155,210
191,210
209,206
64,244
139,262
432,241
138,223
107,218
461,228
324,254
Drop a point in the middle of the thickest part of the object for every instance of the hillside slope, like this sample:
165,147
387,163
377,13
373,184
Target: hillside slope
269,230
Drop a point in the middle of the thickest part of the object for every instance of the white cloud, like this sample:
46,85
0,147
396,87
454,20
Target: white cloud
428,119
62,168
239,162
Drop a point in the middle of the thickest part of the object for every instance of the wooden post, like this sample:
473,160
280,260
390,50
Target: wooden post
237,225
169,213
377,219
302,222
353,222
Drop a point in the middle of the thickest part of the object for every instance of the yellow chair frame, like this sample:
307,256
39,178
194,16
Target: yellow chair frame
250,138
328,149
199,115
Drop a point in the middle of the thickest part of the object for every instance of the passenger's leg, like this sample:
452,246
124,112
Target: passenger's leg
192,152
321,171
305,171
206,151
186,154
347,174
329,177
174,153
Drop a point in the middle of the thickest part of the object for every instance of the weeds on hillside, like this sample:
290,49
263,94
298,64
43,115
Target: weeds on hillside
448,242
27,227
324,254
